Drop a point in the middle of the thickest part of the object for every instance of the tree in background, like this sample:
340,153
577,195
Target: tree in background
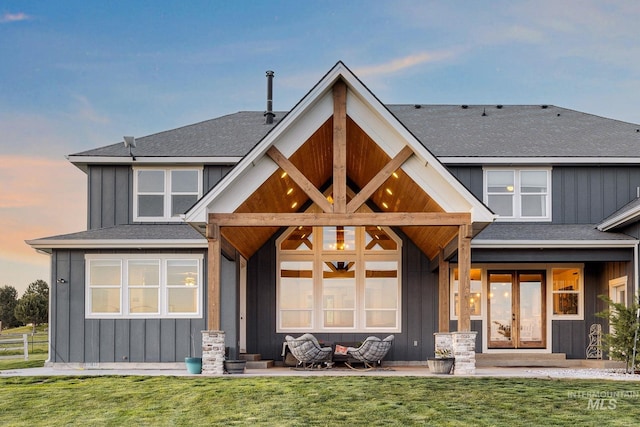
8,302
33,307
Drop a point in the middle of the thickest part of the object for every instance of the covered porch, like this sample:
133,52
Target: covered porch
341,160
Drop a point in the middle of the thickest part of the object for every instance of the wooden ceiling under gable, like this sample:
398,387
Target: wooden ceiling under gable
364,160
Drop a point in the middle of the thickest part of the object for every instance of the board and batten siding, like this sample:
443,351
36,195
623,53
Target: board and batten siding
588,194
75,339
580,194
419,307
110,193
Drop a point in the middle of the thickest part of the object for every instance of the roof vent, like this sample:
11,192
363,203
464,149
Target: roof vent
464,107
130,142
544,107
484,112
499,106
558,114
417,106
269,113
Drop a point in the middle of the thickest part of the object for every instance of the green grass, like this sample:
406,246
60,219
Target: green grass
38,342
35,361
301,401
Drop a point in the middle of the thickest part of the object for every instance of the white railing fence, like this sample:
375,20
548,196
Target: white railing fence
8,345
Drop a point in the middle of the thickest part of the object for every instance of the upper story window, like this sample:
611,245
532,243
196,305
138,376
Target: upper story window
164,194
519,194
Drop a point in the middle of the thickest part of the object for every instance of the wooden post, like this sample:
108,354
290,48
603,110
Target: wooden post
443,293
340,147
464,278
213,278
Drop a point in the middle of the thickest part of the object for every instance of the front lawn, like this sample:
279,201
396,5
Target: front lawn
305,401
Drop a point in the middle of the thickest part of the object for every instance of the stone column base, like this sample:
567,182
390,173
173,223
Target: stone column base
464,351
213,352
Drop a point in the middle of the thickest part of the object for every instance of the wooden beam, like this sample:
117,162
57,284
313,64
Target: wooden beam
443,293
299,178
213,285
379,179
340,147
353,219
464,278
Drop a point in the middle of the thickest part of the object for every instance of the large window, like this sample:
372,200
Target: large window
164,194
519,194
338,279
148,286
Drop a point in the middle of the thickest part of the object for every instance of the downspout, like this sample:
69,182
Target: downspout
636,272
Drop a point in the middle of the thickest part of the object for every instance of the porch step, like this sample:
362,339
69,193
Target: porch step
259,364
558,360
250,356
254,361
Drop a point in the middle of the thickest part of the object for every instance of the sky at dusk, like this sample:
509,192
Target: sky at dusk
76,75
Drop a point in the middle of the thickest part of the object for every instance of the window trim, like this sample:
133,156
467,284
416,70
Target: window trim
360,255
580,292
163,306
483,296
517,193
548,267
167,193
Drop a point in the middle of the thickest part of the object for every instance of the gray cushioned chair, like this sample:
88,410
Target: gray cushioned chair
371,352
307,350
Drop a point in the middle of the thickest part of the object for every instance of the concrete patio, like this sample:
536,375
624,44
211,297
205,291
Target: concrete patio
392,371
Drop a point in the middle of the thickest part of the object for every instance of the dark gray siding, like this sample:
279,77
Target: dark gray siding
75,339
419,307
587,195
581,194
213,174
471,177
572,336
110,193
109,196
229,306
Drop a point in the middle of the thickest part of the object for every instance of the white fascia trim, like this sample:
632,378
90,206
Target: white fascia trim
619,220
424,159
537,160
198,213
529,244
120,244
153,160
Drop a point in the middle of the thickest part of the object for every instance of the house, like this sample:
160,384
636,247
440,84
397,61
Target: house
346,218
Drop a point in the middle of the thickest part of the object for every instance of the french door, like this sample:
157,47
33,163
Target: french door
517,312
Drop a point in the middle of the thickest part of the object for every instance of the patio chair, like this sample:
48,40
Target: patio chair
371,352
308,351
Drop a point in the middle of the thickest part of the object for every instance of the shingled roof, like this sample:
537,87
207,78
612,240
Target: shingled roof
446,130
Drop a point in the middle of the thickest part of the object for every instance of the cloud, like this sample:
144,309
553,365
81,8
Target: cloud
87,112
8,18
400,64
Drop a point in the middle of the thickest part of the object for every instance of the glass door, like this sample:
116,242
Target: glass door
516,317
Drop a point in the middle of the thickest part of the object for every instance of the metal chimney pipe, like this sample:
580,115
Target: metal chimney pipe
269,113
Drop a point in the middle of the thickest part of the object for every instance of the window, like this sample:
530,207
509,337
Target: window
164,194
348,281
475,300
567,292
519,194
147,286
